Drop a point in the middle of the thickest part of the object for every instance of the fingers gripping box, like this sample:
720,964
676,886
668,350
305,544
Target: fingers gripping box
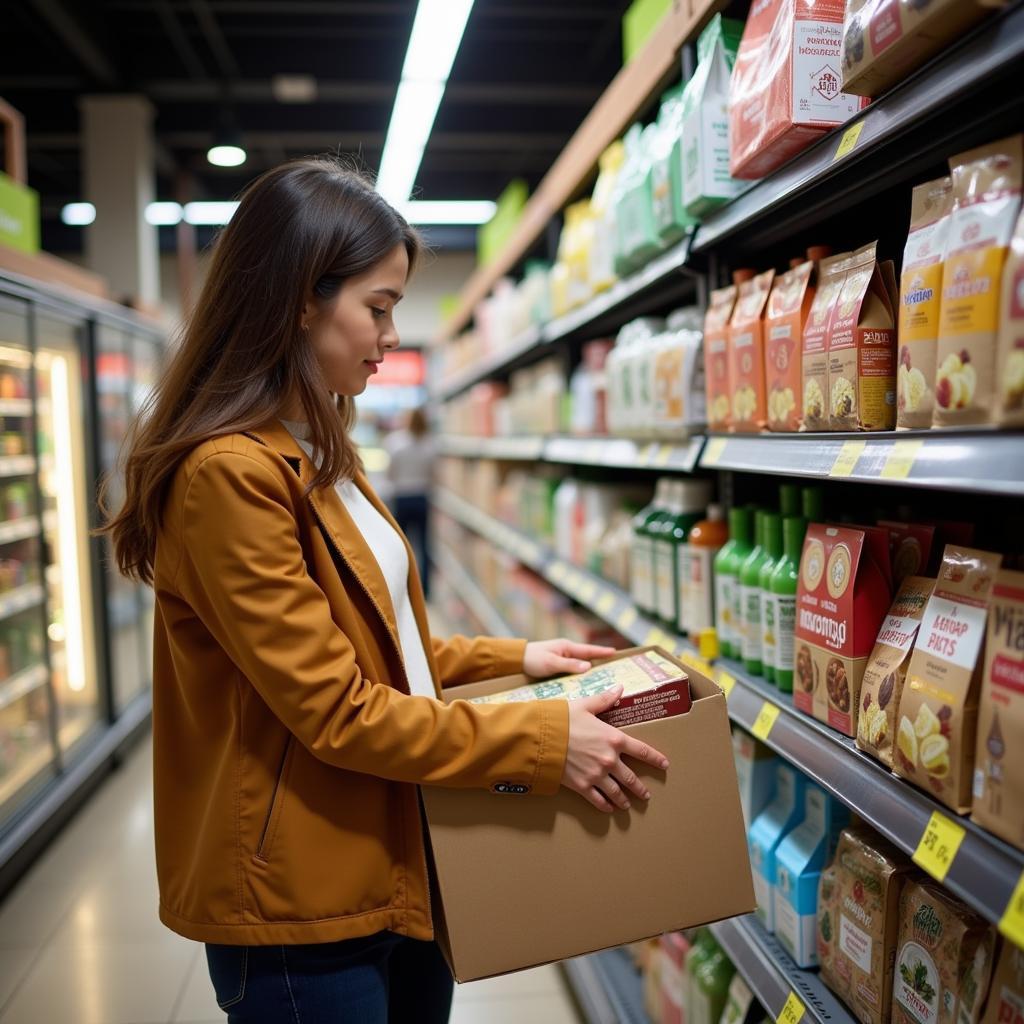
541,865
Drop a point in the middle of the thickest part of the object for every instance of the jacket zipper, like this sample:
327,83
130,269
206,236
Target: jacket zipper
273,800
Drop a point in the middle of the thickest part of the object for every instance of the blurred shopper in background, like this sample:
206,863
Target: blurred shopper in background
410,473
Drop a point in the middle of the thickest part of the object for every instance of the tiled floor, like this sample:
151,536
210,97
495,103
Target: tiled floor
80,942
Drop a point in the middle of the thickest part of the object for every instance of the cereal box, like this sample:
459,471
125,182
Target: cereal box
716,355
746,353
814,362
788,308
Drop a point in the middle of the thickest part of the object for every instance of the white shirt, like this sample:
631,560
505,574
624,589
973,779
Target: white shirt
389,550
412,462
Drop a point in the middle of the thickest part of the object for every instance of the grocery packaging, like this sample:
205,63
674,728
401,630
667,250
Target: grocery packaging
709,983
687,501
601,272
943,960
739,1003
986,201
781,600
652,967
679,399
781,816
999,758
1006,996
799,862
624,375
886,671
747,609
842,597
485,844
1009,408
670,219
869,876
788,309
755,772
705,120
938,710
588,390
727,582
674,947
910,548
784,92
862,349
637,239
702,949
769,634
920,300
814,357
641,571
569,275
746,353
696,575
716,357
828,926
883,42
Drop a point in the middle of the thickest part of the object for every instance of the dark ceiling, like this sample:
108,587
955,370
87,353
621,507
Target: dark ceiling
527,73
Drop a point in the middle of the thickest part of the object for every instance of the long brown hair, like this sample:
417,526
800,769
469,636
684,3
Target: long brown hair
299,231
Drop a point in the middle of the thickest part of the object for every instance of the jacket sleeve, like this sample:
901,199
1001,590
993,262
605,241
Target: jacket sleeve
464,660
241,569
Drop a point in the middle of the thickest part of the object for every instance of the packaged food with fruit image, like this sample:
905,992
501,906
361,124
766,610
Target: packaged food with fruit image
1006,999
920,300
716,356
828,926
910,549
886,669
746,354
814,355
938,709
986,202
842,595
1009,407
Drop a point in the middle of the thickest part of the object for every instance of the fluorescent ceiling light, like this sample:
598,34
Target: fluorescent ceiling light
164,213
210,213
474,211
293,88
436,34
77,215
226,156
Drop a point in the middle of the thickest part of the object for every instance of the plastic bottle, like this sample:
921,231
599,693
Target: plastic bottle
641,563
696,576
750,598
773,550
710,987
585,387
703,947
789,500
812,502
783,584
567,498
689,500
726,574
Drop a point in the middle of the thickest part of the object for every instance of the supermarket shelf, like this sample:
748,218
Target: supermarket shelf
17,465
607,987
966,95
19,529
513,449
21,684
494,363
464,585
985,461
20,599
772,975
15,406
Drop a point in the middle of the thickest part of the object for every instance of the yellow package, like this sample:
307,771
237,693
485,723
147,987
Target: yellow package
601,272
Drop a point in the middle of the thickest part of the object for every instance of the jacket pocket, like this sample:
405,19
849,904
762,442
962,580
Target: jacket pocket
273,818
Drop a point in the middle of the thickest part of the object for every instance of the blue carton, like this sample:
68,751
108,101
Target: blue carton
780,817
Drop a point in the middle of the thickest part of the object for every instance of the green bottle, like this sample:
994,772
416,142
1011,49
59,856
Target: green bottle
750,598
687,501
789,500
710,987
641,561
783,584
727,568
773,548
703,947
813,504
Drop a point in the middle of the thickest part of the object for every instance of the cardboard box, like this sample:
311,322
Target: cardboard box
526,880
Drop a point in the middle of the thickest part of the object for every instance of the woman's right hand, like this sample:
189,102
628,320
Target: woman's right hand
593,766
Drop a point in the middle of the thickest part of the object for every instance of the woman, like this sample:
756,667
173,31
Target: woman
410,469
295,683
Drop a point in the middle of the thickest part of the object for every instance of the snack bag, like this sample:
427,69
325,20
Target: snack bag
986,201
999,754
920,298
910,548
886,670
828,927
716,355
1006,998
746,353
785,91
1010,355
814,362
861,349
938,710
788,308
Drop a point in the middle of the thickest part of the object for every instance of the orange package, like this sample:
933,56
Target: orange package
746,354
716,357
785,89
814,363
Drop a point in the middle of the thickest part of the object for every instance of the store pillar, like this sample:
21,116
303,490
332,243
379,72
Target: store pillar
120,181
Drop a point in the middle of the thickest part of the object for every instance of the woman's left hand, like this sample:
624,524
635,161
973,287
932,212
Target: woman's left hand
545,658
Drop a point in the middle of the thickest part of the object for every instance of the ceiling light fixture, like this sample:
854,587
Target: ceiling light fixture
436,34
293,88
473,211
227,149
210,213
78,215
164,213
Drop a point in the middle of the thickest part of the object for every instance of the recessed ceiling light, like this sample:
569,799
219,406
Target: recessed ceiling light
293,88
163,213
78,215
210,213
226,155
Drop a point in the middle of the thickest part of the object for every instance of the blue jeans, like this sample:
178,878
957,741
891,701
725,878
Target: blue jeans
381,979
412,513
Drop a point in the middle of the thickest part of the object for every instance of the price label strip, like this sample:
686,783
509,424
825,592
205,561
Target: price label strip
938,846
726,681
792,1012
626,619
847,458
765,720
605,603
664,455
588,591
714,450
900,460
849,141
1012,922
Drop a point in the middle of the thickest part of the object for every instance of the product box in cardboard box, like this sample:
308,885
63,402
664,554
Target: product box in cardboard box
938,712
814,357
883,41
536,864
1009,410
785,91
1006,996
746,354
788,307
716,356
999,753
842,596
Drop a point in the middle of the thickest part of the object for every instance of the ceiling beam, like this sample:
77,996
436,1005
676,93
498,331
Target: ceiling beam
179,40
215,40
71,33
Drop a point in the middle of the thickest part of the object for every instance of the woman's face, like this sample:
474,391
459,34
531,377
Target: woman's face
352,332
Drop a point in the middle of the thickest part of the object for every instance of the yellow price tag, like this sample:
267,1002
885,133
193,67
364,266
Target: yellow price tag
792,1012
713,451
588,590
765,720
664,455
605,603
644,456
1012,922
559,571
653,638
626,619
900,459
939,843
847,458
848,141
726,681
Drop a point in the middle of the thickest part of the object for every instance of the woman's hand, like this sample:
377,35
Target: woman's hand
546,658
593,766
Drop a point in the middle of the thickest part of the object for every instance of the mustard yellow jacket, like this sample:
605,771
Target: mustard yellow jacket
287,749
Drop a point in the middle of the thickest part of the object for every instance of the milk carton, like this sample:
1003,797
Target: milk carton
755,772
780,817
